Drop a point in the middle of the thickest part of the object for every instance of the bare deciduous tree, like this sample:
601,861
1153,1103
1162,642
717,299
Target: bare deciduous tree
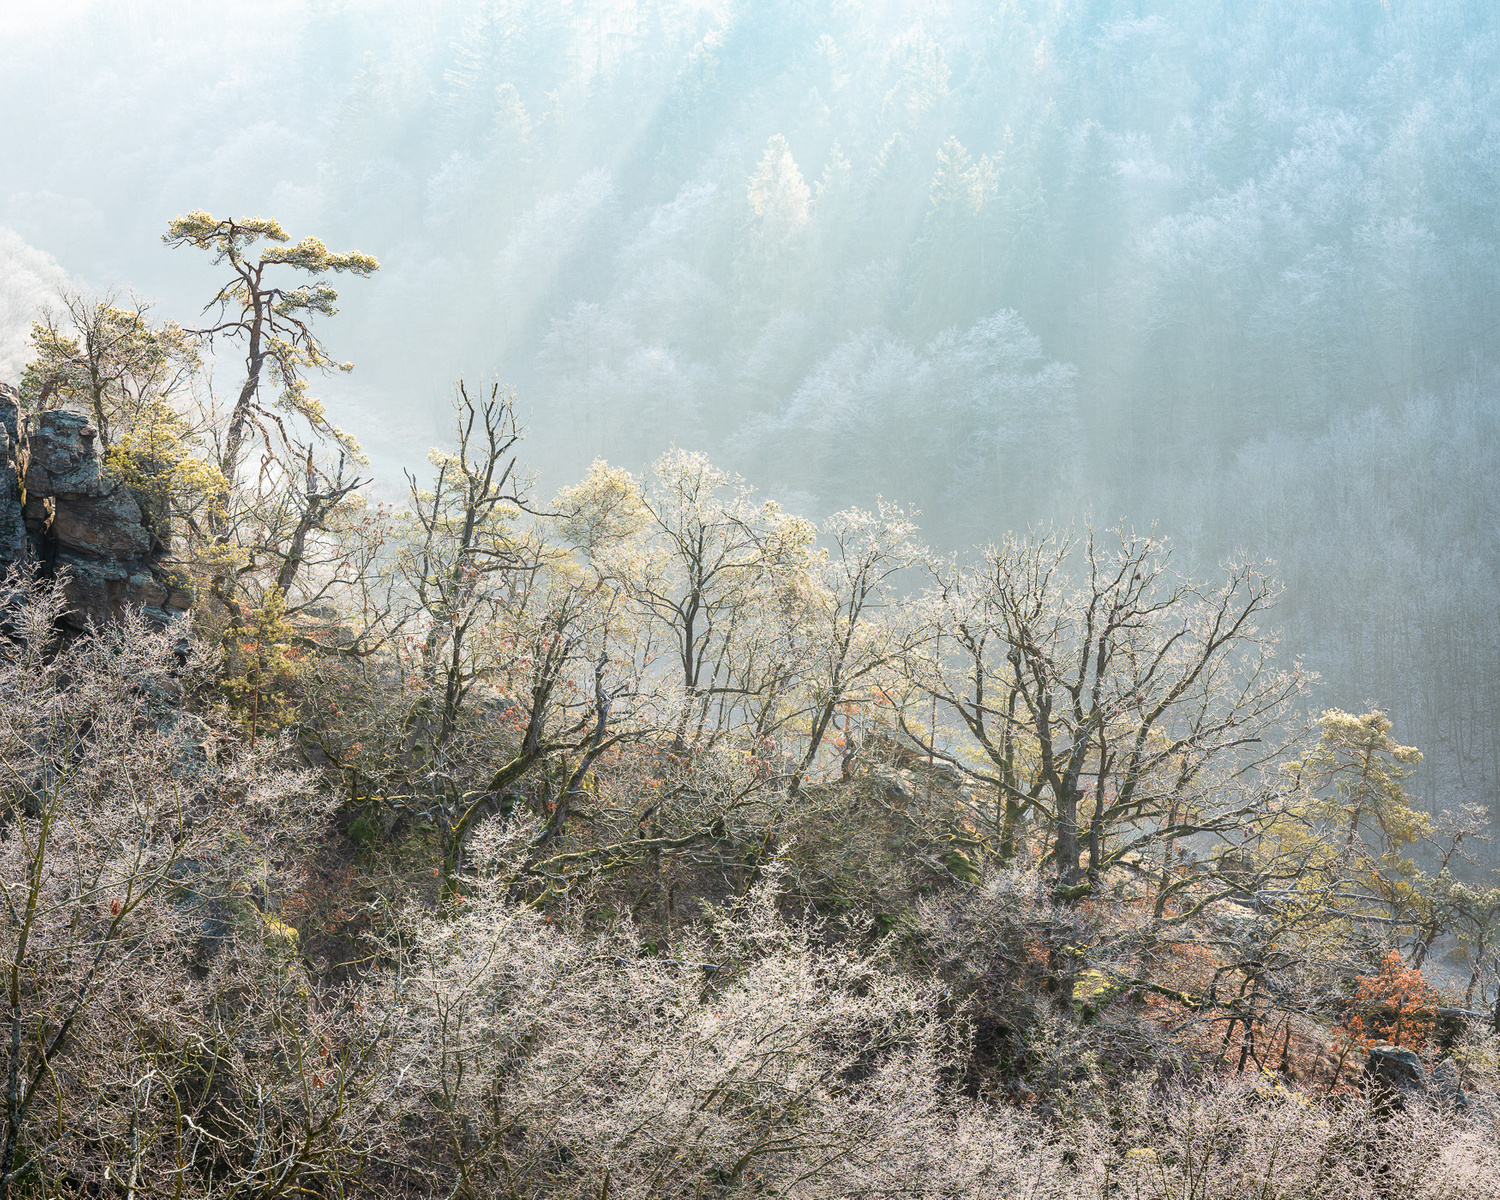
1116,706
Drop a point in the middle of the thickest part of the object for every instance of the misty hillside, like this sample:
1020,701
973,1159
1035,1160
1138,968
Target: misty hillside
639,599
1228,268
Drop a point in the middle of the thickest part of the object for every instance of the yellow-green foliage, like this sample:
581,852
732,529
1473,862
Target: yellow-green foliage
260,666
155,454
278,313
108,360
1357,768
281,939
296,399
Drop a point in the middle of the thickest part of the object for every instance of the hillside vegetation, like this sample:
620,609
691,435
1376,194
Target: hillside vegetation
647,840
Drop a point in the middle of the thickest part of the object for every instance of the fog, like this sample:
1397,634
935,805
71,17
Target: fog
1226,267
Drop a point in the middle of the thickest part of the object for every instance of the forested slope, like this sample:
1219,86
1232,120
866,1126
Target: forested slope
648,829
1228,267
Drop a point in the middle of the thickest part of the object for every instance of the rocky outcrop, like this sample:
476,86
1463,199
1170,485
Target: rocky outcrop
60,509
1395,1078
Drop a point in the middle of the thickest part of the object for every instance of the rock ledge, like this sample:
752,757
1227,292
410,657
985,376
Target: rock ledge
60,509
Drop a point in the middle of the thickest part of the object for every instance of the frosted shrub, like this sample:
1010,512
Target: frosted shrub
536,1060
541,1060
1261,1140
160,1033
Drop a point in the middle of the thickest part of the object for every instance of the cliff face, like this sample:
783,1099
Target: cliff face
61,510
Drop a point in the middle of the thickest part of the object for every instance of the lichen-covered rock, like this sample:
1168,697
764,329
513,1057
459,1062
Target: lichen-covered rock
1445,1088
894,784
1395,1066
62,458
61,509
1396,1078
106,526
12,523
1393,1079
